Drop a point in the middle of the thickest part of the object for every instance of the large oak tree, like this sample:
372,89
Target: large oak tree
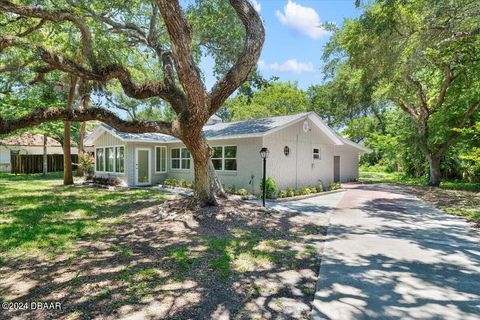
167,31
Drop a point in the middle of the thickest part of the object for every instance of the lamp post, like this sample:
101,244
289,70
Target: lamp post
264,154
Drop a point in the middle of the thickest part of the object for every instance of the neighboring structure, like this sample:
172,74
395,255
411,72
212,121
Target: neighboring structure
27,144
303,151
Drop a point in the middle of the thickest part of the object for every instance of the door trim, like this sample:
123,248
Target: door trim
149,167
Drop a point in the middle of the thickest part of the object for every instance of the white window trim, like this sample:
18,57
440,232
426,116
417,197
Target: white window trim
114,160
180,159
223,158
166,152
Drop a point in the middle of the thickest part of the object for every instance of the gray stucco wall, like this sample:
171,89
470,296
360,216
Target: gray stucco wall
299,169
349,158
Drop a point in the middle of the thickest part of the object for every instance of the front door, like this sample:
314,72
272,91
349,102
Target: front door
336,169
142,166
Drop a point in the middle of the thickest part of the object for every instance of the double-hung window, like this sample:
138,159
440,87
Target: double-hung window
316,154
224,158
160,159
180,158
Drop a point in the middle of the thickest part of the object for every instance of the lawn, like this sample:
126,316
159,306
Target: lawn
454,197
139,253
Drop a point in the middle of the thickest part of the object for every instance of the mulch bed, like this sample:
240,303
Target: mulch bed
176,261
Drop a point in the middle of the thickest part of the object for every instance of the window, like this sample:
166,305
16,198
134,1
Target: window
225,158
160,159
180,158
109,159
120,159
316,154
100,159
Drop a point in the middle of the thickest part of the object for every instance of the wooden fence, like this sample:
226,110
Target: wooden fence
33,163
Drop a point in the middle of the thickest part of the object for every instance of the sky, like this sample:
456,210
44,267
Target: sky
294,40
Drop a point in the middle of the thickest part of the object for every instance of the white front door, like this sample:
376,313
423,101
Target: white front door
142,166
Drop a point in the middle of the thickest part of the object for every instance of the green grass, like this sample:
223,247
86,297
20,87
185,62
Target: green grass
375,175
454,197
38,215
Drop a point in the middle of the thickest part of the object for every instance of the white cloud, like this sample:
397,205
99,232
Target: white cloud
302,19
256,5
291,65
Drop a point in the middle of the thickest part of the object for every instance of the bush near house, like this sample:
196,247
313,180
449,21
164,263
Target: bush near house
334,186
107,181
242,192
271,188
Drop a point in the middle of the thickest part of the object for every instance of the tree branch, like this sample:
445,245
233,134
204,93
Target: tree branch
181,39
103,74
247,59
40,116
455,134
449,77
56,16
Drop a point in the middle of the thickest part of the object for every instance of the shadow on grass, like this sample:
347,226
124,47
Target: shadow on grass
149,267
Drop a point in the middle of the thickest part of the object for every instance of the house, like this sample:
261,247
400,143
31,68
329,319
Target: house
303,151
27,144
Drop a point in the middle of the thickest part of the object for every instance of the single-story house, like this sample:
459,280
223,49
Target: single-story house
27,144
303,151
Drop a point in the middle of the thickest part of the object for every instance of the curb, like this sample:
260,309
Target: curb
313,195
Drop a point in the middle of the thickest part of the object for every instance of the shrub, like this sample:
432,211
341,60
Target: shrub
297,192
319,187
242,192
304,191
282,194
334,186
107,181
182,183
271,187
231,189
171,182
86,162
191,184
290,192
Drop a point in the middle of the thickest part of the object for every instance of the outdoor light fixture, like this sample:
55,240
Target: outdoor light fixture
264,154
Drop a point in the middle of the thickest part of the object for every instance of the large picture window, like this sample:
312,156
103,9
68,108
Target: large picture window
180,158
110,159
160,159
224,158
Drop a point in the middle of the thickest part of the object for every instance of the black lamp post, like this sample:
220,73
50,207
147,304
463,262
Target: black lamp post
264,154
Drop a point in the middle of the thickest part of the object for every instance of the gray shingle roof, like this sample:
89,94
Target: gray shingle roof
220,129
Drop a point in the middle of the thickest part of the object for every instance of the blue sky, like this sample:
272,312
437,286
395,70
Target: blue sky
294,42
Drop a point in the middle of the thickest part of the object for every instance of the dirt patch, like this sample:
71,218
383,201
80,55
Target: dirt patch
458,202
175,261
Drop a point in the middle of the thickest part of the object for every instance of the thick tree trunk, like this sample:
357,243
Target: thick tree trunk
435,174
67,152
45,155
204,188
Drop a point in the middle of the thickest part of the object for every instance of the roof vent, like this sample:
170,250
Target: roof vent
213,120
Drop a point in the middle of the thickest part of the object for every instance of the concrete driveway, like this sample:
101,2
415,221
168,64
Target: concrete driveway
389,255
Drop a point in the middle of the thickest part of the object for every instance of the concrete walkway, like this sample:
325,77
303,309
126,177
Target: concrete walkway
389,255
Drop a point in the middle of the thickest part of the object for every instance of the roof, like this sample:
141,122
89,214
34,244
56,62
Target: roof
355,145
29,140
228,130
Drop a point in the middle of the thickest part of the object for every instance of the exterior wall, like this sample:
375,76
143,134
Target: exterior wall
130,163
349,158
299,169
249,165
107,140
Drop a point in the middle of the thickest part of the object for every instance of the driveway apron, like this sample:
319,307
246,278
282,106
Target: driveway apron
389,255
